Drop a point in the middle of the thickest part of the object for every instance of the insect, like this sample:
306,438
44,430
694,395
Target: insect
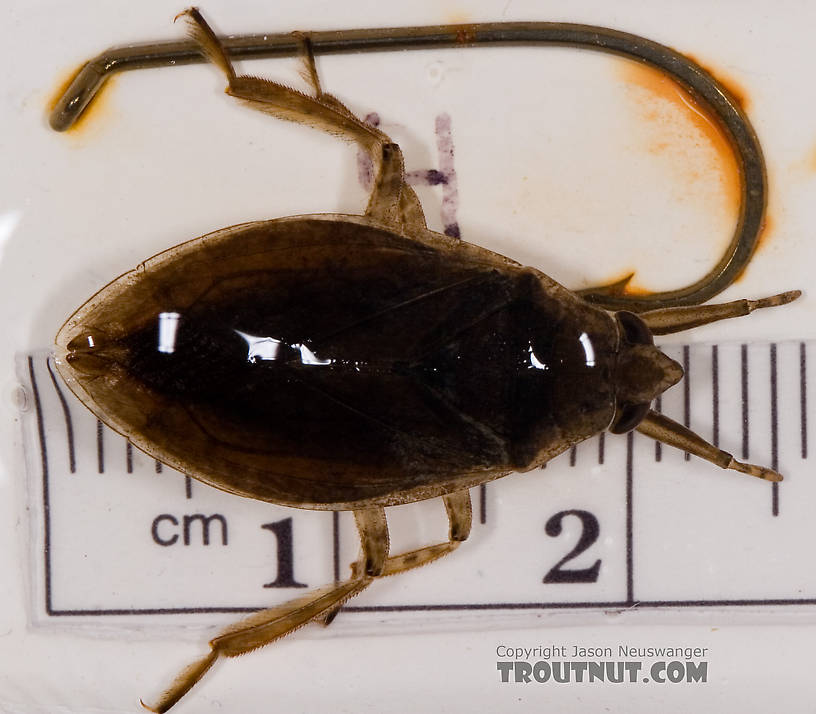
345,362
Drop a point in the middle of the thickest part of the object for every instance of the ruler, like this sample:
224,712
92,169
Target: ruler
619,522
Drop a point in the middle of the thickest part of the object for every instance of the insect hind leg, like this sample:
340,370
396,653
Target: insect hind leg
266,626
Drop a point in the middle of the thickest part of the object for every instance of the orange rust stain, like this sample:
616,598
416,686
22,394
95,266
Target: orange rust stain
465,34
734,88
765,233
98,106
811,161
661,87
62,85
768,227
636,290
632,287
457,17
625,284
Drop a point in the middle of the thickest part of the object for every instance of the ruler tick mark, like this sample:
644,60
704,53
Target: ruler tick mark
744,375
69,425
774,432
630,580
336,545
715,396
686,393
658,407
45,487
803,396
100,446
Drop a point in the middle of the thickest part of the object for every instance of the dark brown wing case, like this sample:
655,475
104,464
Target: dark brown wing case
328,361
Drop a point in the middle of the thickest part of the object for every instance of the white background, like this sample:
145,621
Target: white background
560,165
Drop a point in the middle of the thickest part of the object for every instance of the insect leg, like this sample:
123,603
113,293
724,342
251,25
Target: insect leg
373,529
257,630
392,201
460,515
279,100
668,431
675,319
311,75
266,626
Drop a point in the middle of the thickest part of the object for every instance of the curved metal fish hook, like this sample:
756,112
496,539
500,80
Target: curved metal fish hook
704,88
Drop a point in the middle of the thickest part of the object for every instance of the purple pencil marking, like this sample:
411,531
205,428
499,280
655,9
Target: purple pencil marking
450,191
431,177
445,176
365,168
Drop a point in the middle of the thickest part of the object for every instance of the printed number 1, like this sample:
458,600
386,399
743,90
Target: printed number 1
286,560
590,530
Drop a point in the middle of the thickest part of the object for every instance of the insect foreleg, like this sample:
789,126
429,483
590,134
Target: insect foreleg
676,319
668,431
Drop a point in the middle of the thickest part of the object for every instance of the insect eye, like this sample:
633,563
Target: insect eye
627,417
634,329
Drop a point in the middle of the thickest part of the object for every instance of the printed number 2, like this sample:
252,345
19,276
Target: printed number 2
590,530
